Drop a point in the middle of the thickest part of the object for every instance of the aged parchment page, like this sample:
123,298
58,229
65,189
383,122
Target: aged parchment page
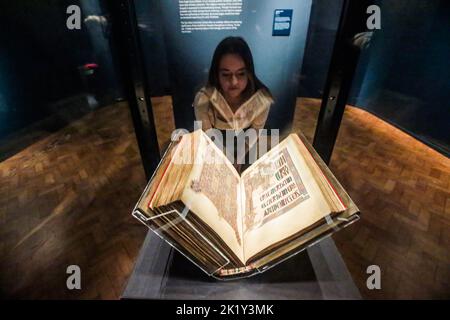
281,198
212,192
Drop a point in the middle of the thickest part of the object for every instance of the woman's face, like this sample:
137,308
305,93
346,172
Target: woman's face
233,76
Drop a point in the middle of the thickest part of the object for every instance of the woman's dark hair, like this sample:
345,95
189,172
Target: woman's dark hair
235,45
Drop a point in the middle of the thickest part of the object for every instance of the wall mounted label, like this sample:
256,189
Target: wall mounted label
203,15
282,19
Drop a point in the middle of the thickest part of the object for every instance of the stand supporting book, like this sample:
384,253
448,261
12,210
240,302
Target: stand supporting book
232,225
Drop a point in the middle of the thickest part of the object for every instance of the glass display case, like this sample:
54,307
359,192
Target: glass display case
176,42
339,109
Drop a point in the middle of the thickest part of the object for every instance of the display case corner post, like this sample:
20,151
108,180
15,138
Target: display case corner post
340,75
131,65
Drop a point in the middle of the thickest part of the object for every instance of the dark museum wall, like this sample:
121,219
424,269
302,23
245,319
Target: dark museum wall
39,60
148,15
405,76
277,59
322,29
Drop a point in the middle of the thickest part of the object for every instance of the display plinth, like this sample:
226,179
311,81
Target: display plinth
315,273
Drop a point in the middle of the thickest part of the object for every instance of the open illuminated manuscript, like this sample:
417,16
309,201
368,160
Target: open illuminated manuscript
233,225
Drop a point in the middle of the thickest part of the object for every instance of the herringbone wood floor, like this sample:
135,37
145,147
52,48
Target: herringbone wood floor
402,188
67,200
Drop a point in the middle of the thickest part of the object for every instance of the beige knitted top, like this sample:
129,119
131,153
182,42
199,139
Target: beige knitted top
213,110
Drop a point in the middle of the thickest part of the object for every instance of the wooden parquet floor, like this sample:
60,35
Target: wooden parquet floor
67,200
402,188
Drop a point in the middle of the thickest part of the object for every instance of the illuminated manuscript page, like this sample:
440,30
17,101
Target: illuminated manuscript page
212,192
281,198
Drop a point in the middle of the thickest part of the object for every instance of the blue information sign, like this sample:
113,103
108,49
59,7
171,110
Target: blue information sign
282,19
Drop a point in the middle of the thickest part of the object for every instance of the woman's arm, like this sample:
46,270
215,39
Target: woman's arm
260,121
201,110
